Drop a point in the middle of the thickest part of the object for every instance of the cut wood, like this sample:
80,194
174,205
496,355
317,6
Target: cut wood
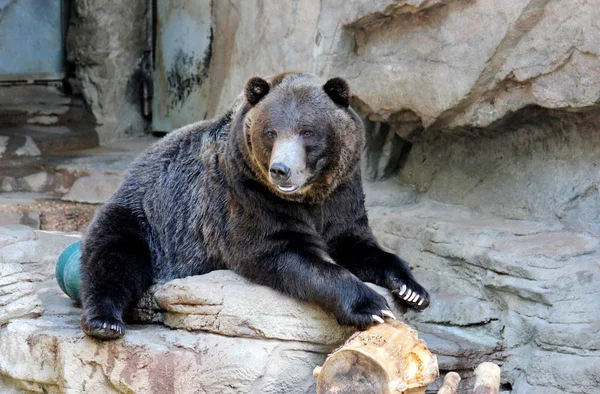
387,358
450,385
487,379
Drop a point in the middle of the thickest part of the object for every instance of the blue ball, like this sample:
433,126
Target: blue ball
68,271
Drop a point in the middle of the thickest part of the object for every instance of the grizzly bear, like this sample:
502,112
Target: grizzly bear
271,190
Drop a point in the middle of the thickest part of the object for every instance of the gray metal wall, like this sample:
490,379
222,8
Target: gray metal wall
31,39
182,56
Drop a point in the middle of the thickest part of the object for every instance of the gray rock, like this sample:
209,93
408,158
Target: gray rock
520,293
535,166
27,258
95,188
106,43
29,148
28,218
54,354
36,182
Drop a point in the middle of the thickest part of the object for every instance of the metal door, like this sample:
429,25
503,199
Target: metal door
182,57
31,40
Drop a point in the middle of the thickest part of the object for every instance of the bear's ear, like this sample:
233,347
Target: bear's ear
338,90
256,89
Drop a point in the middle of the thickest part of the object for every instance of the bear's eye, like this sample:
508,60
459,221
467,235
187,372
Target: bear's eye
307,133
270,133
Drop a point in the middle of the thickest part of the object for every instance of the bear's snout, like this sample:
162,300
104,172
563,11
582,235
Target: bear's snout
280,172
287,170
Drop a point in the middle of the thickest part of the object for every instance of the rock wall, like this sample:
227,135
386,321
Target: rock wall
485,114
489,104
105,44
520,293
451,63
536,165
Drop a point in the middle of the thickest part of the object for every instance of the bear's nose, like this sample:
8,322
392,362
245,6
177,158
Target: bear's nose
279,172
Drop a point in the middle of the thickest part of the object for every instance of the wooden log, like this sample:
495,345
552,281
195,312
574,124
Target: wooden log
387,358
487,379
450,384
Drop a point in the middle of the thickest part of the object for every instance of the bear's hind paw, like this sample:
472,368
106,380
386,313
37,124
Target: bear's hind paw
104,329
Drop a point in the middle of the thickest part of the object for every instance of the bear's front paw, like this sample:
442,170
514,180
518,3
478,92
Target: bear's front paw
107,328
409,292
362,307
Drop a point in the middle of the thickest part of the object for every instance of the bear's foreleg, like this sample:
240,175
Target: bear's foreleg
364,257
116,270
306,272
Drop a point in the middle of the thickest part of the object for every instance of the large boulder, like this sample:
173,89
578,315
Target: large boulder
452,63
225,303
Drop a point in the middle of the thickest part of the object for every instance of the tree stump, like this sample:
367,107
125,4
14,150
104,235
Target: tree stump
387,358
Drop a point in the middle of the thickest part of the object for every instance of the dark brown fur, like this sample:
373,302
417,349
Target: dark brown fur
205,198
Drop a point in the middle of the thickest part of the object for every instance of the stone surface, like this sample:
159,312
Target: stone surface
28,218
490,104
151,359
94,188
452,63
40,119
225,303
23,262
523,294
520,293
106,44
90,175
51,354
536,166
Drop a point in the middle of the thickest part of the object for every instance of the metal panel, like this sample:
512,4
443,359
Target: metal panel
31,39
182,57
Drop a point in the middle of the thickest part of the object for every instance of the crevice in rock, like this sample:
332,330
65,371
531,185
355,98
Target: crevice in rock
398,12
388,143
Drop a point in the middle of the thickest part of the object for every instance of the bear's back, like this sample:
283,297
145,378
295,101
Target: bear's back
175,188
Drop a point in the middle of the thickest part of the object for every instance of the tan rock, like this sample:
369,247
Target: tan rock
225,303
452,63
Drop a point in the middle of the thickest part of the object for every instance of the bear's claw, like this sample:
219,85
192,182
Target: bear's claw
411,294
378,319
388,314
402,290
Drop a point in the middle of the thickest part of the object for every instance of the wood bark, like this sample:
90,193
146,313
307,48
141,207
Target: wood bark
487,379
387,358
450,385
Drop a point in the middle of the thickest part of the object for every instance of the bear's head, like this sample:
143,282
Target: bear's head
299,135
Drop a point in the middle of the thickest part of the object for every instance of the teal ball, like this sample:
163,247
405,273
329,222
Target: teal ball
68,271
